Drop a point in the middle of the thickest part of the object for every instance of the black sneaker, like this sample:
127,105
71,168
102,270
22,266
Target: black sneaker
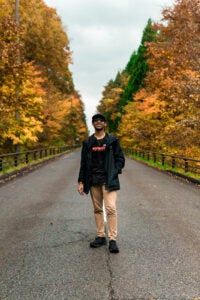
98,242
113,247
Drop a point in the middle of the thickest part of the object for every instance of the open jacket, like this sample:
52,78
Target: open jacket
114,162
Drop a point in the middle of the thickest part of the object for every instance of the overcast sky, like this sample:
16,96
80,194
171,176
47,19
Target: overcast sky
103,34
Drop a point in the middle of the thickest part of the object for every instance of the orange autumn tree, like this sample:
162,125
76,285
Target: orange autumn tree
141,126
43,80
20,91
65,121
46,43
110,102
73,122
166,113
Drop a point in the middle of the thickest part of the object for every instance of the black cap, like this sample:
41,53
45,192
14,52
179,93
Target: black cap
98,116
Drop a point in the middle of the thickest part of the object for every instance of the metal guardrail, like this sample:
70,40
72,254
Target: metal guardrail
13,160
186,164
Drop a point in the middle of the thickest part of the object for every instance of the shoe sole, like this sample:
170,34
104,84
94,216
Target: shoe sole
97,246
114,251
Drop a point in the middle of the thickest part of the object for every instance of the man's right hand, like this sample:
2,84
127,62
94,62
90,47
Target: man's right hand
81,188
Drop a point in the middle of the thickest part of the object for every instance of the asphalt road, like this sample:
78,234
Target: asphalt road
46,227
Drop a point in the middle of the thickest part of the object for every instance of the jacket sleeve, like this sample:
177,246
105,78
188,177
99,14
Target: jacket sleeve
119,157
82,171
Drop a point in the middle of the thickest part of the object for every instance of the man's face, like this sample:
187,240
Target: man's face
99,124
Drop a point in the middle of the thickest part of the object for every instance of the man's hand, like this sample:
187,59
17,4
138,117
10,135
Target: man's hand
81,188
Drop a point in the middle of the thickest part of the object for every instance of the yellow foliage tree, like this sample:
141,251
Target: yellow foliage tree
20,91
170,99
34,111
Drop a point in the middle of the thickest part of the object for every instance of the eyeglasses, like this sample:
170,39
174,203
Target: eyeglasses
98,120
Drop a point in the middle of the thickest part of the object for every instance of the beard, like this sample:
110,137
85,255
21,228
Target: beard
99,129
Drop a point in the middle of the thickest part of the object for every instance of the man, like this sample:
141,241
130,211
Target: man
102,160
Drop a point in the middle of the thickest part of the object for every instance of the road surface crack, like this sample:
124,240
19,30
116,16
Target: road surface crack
110,284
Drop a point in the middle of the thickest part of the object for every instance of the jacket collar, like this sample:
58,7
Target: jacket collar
109,138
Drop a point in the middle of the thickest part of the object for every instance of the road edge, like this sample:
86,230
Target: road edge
29,168
170,172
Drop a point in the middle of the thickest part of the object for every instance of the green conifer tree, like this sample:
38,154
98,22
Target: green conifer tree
137,67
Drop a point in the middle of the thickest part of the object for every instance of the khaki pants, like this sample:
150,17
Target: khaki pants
98,195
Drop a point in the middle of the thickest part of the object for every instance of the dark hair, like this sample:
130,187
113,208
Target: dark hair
98,116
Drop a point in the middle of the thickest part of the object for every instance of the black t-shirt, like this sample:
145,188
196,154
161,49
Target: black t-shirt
98,162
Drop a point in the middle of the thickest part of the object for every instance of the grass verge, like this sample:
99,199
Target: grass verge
12,172
168,168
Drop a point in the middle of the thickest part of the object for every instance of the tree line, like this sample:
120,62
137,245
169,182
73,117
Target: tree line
154,103
39,105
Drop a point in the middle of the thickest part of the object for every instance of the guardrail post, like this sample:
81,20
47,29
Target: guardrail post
186,165
41,153
16,160
26,158
45,152
154,157
1,164
163,160
173,162
148,155
35,155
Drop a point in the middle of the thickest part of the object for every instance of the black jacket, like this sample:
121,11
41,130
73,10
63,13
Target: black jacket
114,162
